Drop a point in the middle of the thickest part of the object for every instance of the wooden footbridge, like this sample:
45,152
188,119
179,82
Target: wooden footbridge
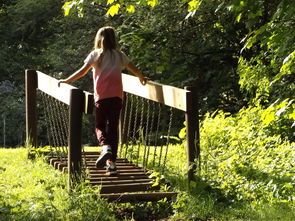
141,120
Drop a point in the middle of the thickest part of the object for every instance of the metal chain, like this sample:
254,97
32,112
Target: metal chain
58,120
65,122
129,125
151,114
43,100
52,127
124,128
157,133
146,134
140,130
61,125
134,128
168,136
160,154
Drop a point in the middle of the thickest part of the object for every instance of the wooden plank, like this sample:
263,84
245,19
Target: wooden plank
120,174
192,129
165,94
122,188
49,85
136,197
31,117
75,132
90,153
105,178
89,102
119,167
116,182
131,170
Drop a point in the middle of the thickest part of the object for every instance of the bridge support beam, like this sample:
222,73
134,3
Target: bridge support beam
31,117
75,132
192,131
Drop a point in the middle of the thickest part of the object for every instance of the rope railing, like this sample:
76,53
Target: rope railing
146,120
143,140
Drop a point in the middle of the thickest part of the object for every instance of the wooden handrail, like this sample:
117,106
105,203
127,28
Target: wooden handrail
164,94
49,85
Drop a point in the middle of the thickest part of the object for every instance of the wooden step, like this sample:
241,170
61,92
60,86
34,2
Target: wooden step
121,181
120,174
137,197
130,184
131,170
124,188
92,164
118,177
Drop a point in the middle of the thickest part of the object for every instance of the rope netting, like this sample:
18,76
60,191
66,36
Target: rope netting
148,129
55,117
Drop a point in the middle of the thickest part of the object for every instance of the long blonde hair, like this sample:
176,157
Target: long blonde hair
105,39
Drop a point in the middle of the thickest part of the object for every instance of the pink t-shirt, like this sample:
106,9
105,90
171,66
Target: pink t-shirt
107,76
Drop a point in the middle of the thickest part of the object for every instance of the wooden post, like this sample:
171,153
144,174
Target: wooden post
75,132
31,118
192,131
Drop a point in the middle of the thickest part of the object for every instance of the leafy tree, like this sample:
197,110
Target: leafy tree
23,24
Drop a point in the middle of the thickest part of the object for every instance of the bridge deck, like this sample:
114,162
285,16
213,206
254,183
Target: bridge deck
132,183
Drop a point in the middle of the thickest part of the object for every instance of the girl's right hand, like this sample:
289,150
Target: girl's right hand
143,80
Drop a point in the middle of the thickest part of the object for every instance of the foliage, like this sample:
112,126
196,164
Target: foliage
23,24
247,170
268,73
245,158
263,34
10,114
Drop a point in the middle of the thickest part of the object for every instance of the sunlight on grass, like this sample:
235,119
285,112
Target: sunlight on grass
33,190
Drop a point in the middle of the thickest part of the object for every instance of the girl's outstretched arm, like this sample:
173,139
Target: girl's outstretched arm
137,73
78,74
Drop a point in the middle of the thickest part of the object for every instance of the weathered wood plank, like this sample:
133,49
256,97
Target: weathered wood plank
165,94
135,197
117,182
49,85
31,117
122,188
106,178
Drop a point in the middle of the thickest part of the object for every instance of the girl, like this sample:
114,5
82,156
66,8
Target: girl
107,62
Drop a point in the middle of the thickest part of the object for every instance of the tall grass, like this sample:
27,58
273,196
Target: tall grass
33,190
247,173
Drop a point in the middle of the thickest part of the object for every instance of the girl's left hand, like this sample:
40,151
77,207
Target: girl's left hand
60,82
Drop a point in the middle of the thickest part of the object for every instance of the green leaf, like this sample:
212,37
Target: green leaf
193,5
238,18
288,185
110,2
68,6
152,3
292,115
130,8
113,10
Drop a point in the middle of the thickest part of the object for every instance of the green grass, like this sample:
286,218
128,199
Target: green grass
33,190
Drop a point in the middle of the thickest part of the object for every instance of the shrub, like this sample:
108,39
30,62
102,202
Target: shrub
246,157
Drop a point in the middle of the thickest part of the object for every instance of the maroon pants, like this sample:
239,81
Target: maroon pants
107,114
